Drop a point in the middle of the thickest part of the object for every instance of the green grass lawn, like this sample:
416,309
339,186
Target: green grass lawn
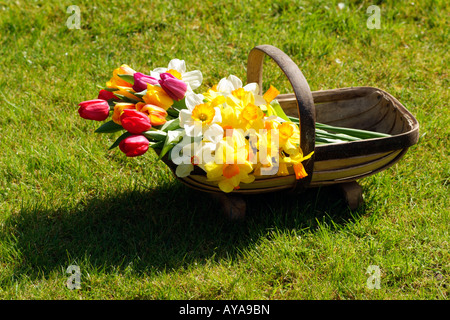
137,233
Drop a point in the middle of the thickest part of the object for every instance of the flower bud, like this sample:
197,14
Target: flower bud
106,95
157,96
175,88
134,145
118,109
157,115
97,109
141,80
116,80
134,121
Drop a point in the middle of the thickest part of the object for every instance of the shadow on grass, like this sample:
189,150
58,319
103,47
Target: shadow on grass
166,228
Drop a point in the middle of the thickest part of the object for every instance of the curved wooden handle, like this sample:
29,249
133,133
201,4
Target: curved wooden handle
305,102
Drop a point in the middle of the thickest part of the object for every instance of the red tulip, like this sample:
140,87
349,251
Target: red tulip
134,145
97,109
106,95
141,80
174,87
134,121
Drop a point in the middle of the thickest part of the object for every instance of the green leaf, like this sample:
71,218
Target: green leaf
293,119
362,134
172,139
107,89
155,135
180,104
123,136
270,110
109,127
171,125
111,104
156,145
141,93
127,77
173,112
279,110
126,99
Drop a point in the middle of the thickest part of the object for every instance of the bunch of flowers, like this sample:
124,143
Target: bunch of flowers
230,132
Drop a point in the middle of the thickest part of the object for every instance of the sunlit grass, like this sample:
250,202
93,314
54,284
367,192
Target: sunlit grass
138,233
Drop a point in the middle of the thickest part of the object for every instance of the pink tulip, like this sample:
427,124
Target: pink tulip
134,145
97,109
134,121
174,87
106,95
141,80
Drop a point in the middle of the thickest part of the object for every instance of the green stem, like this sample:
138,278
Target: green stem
350,134
363,134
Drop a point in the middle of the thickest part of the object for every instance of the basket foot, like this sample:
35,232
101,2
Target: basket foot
233,205
352,193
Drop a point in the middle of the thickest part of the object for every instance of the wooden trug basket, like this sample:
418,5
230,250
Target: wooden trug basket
339,164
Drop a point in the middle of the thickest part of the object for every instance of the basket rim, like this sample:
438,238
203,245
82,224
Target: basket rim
402,140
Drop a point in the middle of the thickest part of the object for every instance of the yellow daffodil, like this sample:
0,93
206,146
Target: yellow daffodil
271,94
294,161
247,97
230,119
289,135
252,117
204,113
267,152
230,166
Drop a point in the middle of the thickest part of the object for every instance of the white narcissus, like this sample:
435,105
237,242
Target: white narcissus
193,154
198,116
231,83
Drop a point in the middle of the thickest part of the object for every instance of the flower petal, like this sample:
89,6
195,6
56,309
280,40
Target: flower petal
226,186
225,86
208,150
214,133
217,115
192,100
235,82
185,118
157,71
183,170
193,78
259,100
252,87
177,64
213,171
194,129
